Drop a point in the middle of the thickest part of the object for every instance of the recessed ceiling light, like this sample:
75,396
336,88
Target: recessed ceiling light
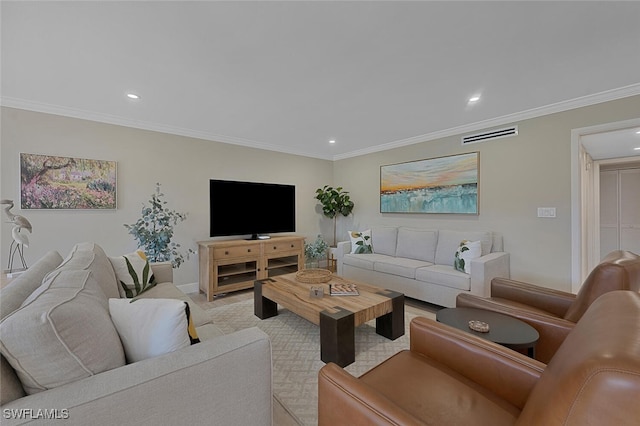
475,98
636,149
638,132
332,141
132,96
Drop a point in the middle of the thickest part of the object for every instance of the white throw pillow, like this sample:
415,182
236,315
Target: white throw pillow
133,273
468,250
151,327
361,242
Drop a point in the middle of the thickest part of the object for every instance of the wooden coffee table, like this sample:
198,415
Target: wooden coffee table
337,316
503,329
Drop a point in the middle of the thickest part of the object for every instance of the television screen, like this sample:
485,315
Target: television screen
251,208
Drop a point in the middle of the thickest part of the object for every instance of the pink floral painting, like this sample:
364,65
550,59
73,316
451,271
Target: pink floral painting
50,182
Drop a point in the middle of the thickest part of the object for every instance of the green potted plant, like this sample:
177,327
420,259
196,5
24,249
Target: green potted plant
154,230
315,251
334,201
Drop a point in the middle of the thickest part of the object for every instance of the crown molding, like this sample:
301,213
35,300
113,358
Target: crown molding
583,101
145,125
609,95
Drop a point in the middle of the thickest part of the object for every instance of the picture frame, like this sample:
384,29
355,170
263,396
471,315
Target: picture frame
442,185
50,182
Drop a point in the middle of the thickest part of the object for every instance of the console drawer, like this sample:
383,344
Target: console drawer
281,246
235,251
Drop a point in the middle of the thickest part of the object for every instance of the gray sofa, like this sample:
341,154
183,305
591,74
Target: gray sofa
419,263
224,379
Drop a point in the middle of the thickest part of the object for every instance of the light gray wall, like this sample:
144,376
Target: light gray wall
517,175
182,165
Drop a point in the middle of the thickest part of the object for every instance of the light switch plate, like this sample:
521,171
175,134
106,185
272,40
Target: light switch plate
546,212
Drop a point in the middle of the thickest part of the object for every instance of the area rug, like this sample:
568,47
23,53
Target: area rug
296,353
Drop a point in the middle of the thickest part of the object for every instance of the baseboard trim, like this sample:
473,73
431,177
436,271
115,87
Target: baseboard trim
188,288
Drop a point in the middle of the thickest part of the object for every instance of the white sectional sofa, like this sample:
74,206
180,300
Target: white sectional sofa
224,379
419,263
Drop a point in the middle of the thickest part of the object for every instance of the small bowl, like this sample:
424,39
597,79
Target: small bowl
479,326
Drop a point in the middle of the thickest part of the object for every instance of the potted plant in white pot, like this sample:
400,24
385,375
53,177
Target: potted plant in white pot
334,201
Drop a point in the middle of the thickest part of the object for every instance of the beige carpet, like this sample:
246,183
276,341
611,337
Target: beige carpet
296,353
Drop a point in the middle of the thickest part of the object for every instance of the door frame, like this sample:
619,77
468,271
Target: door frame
585,199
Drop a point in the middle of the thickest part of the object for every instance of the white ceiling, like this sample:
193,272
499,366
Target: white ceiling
290,76
614,144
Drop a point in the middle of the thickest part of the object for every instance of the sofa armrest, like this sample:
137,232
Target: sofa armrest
342,248
554,301
486,268
224,380
163,271
553,330
509,374
343,399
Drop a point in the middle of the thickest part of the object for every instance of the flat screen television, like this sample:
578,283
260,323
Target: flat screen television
251,208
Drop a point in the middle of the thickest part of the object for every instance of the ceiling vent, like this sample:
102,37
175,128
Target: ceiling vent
492,134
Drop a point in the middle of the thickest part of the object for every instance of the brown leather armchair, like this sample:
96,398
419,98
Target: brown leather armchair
553,313
455,378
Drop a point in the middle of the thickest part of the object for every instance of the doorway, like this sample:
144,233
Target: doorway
619,207
611,145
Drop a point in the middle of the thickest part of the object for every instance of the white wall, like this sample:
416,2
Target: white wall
182,165
517,175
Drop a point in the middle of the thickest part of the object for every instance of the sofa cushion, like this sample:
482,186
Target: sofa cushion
384,240
11,297
62,334
170,291
419,244
152,327
363,261
133,273
433,393
444,275
360,242
400,266
449,241
91,257
17,291
208,331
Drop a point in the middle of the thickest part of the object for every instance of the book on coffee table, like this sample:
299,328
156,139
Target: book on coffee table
343,290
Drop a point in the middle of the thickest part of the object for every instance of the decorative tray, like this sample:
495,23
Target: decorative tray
314,275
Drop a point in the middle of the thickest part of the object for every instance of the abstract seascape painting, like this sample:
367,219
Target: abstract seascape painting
437,185
50,182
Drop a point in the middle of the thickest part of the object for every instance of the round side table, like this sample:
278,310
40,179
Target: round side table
503,329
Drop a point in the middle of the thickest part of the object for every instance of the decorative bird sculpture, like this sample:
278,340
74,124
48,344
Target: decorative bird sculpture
16,219
19,239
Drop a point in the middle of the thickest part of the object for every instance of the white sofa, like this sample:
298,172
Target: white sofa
224,379
419,263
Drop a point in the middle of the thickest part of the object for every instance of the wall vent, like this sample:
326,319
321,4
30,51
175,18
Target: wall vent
491,134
